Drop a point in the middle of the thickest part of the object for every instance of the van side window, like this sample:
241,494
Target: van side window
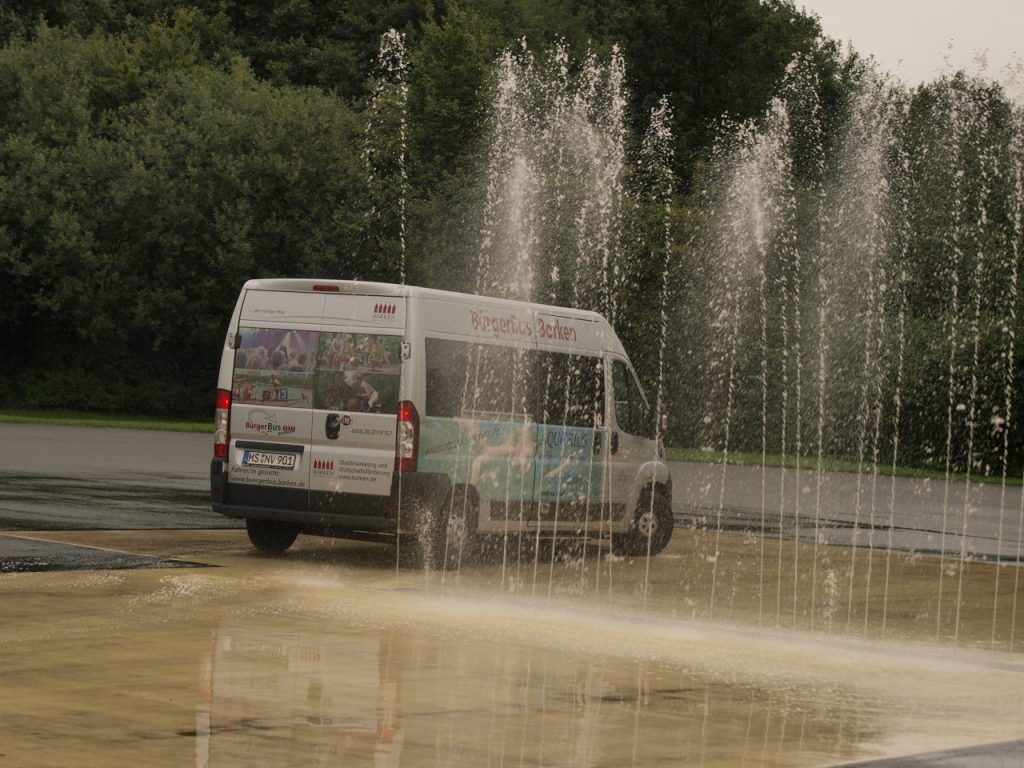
501,382
478,380
573,390
446,377
631,411
274,366
493,381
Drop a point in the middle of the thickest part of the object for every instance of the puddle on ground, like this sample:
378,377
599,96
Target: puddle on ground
25,555
337,658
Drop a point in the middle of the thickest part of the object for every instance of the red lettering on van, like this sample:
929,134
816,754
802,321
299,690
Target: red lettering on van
499,327
555,331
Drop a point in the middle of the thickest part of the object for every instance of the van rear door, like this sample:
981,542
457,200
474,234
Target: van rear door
272,398
355,399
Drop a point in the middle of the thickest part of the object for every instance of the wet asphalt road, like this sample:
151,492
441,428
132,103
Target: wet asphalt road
77,478
972,521
55,478
113,489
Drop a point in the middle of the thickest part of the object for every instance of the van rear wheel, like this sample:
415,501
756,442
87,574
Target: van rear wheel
455,538
651,529
271,536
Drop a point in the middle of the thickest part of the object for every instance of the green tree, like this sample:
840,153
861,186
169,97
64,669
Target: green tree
128,230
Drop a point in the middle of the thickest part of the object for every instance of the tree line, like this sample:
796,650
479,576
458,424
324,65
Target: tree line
155,154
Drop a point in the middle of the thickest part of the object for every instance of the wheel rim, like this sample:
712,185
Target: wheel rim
456,528
647,524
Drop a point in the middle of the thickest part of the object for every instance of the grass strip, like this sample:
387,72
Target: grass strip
100,420
810,463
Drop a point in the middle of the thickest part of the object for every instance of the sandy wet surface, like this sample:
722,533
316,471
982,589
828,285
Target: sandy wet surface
336,655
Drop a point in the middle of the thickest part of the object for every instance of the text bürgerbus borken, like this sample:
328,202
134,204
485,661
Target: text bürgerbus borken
511,325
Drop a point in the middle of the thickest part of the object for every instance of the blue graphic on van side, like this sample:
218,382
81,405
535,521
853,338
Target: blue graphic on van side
514,461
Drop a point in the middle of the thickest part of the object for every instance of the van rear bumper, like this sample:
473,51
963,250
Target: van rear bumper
413,495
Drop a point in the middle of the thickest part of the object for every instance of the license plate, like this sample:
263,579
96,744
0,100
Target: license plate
267,459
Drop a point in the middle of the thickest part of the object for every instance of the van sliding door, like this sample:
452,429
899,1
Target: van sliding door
570,456
480,427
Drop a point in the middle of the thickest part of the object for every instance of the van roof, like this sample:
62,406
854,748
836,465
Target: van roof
369,288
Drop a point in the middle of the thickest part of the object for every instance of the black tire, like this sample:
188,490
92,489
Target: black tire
271,536
454,538
651,528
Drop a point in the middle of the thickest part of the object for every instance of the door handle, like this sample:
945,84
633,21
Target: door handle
615,442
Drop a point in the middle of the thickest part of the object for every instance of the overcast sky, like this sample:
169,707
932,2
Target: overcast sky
920,40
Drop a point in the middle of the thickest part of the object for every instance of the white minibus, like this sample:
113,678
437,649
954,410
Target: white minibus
375,411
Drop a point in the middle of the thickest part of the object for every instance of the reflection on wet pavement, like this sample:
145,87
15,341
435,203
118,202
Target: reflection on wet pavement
335,656
398,697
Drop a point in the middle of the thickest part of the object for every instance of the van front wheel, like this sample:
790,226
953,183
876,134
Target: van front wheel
651,529
270,536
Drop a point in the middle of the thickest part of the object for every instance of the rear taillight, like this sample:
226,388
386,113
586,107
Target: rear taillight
221,421
408,445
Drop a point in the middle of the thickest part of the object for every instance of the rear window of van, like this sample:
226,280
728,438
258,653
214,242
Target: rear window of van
354,372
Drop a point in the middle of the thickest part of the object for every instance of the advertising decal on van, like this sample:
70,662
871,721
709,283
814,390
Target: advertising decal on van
265,423
363,475
384,311
556,331
512,326
500,326
266,475
310,369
